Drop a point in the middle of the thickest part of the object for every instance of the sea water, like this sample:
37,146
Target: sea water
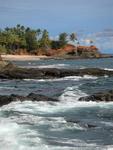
64,125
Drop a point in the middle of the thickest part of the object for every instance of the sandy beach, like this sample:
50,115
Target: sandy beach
21,57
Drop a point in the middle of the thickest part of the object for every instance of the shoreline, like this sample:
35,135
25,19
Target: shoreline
10,57
22,57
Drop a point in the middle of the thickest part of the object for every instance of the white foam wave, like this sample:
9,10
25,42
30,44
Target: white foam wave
90,77
71,94
74,78
54,66
108,69
18,134
22,137
109,147
8,88
110,124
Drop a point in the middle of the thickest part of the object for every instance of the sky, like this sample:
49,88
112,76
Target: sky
88,18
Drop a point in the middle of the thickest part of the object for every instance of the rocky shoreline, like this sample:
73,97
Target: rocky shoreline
6,99
106,96
10,71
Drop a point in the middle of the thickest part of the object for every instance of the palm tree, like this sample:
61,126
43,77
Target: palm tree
91,42
18,26
63,39
73,38
45,41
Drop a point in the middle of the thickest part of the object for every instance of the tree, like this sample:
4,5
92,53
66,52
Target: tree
45,41
31,39
63,39
91,42
73,38
21,37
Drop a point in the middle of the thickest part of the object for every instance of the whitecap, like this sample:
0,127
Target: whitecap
108,69
8,88
54,66
90,77
108,147
70,98
71,94
73,78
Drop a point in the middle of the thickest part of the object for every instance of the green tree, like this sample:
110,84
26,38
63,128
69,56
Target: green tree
45,42
63,39
31,39
73,37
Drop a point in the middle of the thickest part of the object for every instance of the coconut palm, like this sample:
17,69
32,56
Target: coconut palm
73,38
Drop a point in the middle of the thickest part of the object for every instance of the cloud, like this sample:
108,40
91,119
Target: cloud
103,40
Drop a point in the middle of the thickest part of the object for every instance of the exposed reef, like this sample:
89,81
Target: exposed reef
106,96
10,71
6,99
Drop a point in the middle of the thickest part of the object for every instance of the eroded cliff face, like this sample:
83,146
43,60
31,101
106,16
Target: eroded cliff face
88,51
78,51
83,51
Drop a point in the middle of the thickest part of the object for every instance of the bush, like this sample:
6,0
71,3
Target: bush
3,50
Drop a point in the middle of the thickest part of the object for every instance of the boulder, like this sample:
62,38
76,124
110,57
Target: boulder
6,99
99,97
11,72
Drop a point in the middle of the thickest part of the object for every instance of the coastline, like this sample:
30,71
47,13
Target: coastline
10,57
21,57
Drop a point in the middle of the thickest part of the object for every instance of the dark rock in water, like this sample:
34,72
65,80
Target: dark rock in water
90,126
10,71
98,97
38,97
82,124
73,121
5,65
6,99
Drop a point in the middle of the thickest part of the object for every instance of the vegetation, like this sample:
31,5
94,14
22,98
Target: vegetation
25,38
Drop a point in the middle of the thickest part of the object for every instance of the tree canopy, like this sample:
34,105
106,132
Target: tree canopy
21,37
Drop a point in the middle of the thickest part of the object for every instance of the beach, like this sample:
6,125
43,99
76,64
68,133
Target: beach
22,57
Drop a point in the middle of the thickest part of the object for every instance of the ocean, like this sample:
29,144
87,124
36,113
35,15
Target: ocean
65,125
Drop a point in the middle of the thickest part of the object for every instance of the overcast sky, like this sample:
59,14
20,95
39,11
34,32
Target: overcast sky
58,15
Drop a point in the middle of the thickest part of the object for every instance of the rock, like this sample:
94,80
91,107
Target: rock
76,51
38,97
6,66
90,126
98,97
82,124
6,99
10,71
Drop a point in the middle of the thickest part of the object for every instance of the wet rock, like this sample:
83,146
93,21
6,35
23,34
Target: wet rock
82,124
90,126
6,99
13,72
38,97
98,97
